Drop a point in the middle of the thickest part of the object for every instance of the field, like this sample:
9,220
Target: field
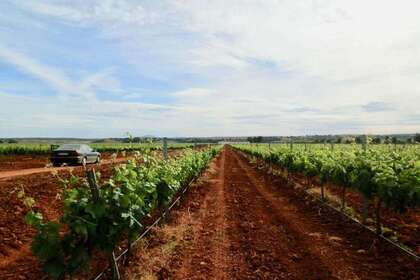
36,155
45,148
379,184
252,212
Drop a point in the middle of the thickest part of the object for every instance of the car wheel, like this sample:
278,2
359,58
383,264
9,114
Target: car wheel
56,164
98,159
84,161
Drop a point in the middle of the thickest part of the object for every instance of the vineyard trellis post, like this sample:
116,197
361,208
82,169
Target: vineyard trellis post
365,211
322,191
165,148
93,185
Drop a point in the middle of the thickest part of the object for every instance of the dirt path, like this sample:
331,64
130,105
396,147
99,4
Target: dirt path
240,223
209,233
29,171
15,166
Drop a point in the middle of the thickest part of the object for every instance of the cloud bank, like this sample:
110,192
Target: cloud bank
204,68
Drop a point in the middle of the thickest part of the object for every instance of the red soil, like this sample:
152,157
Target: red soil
246,224
22,161
406,226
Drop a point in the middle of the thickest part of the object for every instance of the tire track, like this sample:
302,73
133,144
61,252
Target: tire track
209,252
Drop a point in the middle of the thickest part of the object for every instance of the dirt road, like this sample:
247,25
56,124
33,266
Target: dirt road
240,223
29,171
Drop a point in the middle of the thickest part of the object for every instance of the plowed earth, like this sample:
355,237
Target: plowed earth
406,226
241,223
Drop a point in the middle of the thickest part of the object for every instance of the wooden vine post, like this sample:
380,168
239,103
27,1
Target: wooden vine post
165,148
93,185
378,216
94,189
343,199
365,212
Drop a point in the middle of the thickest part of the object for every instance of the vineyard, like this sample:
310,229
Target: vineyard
257,212
45,149
383,175
209,140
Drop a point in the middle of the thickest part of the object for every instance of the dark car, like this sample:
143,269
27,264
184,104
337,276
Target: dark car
74,154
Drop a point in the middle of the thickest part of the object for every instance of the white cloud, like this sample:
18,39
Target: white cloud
54,77
192,92
61,11
249,67
57,79
104,11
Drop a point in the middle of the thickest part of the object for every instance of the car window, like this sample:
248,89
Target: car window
69,147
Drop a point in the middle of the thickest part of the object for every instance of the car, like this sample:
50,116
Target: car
74,154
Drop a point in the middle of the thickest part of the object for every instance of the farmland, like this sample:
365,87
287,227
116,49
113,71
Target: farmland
36,155
379,178
253,212
201,140
45,148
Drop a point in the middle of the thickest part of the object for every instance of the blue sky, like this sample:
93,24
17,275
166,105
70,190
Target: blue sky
208,68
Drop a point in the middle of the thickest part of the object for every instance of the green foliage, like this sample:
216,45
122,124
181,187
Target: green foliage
89,224
390,175
45,149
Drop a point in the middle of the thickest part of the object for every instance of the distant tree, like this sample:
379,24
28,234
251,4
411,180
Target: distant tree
1,141
394,140
339,140
359,139
257,139
376,140
349,141
320,140
12,141
388,140
417,138
136,140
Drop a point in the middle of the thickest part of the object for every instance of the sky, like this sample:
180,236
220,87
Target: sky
182,68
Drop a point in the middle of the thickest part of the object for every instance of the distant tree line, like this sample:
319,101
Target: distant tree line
257,139
342,139
8,141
